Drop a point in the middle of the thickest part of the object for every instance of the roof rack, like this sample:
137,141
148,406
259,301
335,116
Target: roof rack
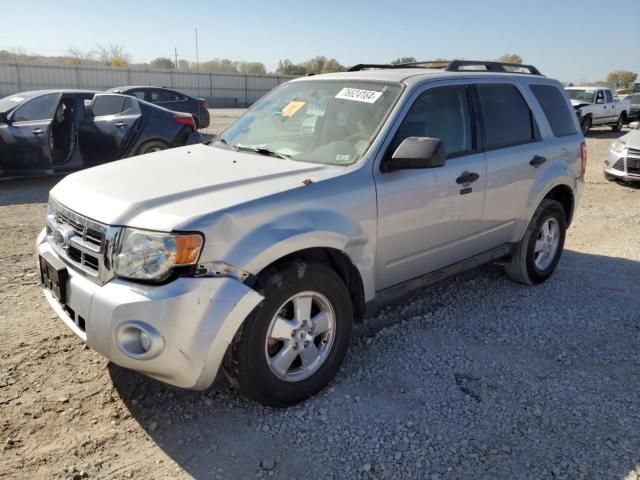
456,66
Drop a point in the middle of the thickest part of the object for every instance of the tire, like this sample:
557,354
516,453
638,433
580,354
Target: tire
585,125
527,265
619,124
152,146
256,349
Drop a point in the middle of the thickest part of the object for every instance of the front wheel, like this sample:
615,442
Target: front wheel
585,125
293,343
539,251
153,146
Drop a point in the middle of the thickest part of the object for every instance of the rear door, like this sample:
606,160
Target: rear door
28,131
428,219
514,156
112,121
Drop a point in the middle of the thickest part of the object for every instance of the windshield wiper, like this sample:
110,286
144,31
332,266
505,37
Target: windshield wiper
263,151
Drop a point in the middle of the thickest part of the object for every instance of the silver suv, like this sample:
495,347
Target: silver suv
331,197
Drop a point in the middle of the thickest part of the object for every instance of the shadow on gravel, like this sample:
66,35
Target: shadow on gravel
26,190
505,381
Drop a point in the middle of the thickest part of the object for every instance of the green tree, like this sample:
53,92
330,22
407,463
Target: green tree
183,64
621,78
510,58
222,65
162,63
401,60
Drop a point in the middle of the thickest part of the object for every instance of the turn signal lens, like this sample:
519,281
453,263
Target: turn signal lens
188,249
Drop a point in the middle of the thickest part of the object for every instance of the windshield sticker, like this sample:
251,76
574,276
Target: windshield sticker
292,108
16,99
358,95
341,157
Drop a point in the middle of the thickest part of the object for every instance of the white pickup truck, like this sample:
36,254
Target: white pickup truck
597,106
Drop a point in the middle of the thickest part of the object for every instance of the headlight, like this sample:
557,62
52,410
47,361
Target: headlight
152,255
618,146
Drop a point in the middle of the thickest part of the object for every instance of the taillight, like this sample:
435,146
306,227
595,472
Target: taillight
186,121
583,158
205,106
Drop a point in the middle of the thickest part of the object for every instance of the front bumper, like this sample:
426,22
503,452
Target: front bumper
196,319
624,166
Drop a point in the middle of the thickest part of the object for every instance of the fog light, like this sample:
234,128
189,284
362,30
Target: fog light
139,340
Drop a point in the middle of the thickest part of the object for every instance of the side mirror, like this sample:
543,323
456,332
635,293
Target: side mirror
634,125
417,152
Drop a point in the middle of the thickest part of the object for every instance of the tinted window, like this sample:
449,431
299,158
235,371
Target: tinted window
635,100
600,97
158,96
442,113
108,105
506,115
40,108
609,96
137,93
555,108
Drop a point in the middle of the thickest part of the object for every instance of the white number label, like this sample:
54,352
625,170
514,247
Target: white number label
358,95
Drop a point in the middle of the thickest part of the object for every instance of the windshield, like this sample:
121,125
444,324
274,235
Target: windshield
323,121
582,95
8,103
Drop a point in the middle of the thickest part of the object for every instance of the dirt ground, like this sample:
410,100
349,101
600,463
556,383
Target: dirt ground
65,412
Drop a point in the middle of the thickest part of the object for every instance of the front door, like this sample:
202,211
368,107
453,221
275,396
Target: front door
27,146
430,218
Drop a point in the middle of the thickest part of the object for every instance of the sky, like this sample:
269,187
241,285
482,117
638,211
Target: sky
569,40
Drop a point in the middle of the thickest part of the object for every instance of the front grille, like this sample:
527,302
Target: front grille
84,244
633,152
633,166
619,165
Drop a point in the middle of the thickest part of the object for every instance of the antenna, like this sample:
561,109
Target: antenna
197,68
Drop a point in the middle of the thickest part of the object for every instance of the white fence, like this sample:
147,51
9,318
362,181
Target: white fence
220,89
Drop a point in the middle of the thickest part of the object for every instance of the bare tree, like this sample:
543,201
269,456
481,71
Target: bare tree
77,56
113,55
510,58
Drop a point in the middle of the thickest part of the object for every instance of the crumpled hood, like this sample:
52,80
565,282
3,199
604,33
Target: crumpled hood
162,190
579,103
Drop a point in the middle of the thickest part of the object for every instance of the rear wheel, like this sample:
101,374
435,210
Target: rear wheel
619,124
293,343
586,125
153,146
539,251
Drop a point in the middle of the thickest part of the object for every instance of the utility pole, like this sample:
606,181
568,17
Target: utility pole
197,68
175,54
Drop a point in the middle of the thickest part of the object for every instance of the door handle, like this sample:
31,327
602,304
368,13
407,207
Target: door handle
536,161
120,124
37,131
466,178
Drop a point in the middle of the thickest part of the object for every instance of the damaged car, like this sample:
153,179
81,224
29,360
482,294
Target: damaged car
57,131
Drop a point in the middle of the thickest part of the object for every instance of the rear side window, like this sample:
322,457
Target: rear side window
506,116
104,105
137,93
159,96
40,108
609,96
555,108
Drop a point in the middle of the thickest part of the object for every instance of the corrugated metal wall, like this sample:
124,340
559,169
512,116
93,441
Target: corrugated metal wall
220,89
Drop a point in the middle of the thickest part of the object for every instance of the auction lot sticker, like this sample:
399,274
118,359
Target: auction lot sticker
359,95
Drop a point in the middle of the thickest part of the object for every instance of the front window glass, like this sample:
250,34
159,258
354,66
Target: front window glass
323,121
581,95
40,108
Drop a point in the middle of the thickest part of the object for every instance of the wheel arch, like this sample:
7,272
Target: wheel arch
338,261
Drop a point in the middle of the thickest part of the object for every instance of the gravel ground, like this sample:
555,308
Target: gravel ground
477,377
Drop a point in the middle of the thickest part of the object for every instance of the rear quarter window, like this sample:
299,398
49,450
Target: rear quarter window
555,108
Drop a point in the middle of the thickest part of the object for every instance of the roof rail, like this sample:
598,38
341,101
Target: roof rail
457,66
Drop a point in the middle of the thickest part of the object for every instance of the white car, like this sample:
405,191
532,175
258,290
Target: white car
623,159
597,106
